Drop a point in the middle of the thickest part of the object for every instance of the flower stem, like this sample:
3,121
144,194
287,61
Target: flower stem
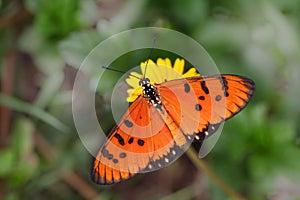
201,165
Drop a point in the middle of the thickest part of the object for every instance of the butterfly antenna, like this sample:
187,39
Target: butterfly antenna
150,54
119,71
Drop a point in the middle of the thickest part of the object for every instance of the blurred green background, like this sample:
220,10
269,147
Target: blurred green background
42,44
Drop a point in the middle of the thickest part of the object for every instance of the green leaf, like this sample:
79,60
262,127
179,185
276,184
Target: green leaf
50,88
77,46
7,158
197,11
22,137
56,24
18,105
124,19
11,196
24,170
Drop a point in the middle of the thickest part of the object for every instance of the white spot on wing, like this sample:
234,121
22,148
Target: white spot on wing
173,152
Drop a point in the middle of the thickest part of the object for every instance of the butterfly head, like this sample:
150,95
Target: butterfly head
150,92
144,82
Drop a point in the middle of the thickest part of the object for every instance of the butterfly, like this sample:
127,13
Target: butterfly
164,119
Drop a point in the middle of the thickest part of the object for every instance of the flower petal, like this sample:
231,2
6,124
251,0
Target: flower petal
191,72
143,65
161,65
133,81
168,62
133,93
158,72
179,65
160,61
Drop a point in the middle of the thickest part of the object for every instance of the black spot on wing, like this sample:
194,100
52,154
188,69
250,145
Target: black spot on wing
201,97
218,97
106,154
141,142
130,141
122,155
198,107
120,139
204,87
187,88
128,123
224,84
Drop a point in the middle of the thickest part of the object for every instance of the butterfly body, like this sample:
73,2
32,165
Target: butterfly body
150,92
163,121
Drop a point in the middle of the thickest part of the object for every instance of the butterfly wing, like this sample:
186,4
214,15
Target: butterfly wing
145,139
218,98
148,138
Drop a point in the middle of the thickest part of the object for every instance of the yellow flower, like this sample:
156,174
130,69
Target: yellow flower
158,72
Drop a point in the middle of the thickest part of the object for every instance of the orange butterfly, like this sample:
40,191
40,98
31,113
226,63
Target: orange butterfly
164,118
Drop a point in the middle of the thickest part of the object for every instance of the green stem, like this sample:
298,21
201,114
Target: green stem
201,165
